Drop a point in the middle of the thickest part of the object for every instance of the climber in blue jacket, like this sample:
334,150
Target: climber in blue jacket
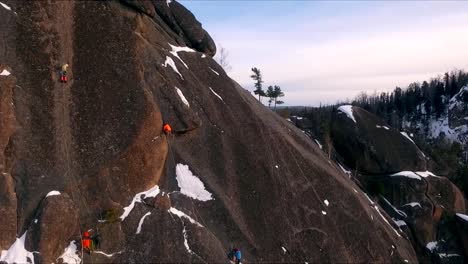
235,256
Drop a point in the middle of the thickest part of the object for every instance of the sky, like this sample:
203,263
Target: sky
321,52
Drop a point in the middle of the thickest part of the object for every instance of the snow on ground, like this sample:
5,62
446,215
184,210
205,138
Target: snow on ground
384,127
181,214
52,193
141,222
17,253
344,170
214,71
5,6
348,110
431,245
4,72
408,137
203,55
216,94
169,61
168,2
326,202
318,143
324,213
71,254
408,174
176,49
138,198
182,97
454,100
190,185
413,204
463,216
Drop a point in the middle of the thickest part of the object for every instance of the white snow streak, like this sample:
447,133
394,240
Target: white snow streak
168,2
407,174
384,127
203,55
141,222
284,249
214,71
4,72
52,193
107,254
324,213
169,61
190,185
182,97
17,253
385,219
176,49
70,255
181,214
463,216
318,143
138,199
413,204
216,94
5,6
345,171
326,202
408,137
184,233
348,110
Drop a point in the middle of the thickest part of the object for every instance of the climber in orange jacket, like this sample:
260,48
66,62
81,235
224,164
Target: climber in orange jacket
86,241
167,129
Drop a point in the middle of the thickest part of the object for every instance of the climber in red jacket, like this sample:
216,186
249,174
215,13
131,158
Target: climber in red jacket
86,241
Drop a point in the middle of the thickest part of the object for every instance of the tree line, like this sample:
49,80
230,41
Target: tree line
273,92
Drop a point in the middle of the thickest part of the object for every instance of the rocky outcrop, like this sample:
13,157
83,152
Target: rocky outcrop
371,146
53,226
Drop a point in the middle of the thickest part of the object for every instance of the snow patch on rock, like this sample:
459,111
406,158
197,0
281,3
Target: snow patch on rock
169,61
5,72
17,253
190,185
407,174
348,110
181,214
217,95
138,198
141,222
384,127
182,97
463,216
71,254
5,6
214,71
52,193
176,49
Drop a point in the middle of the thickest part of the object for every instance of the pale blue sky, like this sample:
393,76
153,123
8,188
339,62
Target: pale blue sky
324,51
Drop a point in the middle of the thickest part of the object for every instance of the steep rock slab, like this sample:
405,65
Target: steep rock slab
364,144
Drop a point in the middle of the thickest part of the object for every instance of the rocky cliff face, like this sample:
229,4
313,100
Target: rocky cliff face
391,168
90,154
